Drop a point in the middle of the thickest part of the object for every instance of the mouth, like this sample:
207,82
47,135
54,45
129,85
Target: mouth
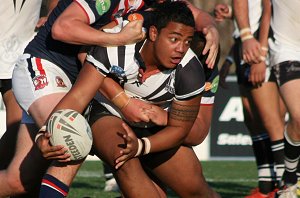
176,60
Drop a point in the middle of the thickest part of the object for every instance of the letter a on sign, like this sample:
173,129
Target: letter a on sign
233,110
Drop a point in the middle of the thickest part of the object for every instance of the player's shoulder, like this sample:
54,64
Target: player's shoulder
188,57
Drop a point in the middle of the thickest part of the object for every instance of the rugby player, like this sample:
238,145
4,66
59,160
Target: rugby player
159,71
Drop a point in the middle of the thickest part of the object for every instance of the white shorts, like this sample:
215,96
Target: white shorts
34,77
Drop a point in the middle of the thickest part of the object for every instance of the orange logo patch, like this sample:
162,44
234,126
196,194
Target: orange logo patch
135,16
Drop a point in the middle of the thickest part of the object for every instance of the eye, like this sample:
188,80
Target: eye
173,39
188,42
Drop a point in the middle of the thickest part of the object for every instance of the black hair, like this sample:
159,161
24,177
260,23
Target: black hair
172,12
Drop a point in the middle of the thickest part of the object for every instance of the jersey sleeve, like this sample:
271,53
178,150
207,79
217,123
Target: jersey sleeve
189,77
98,57
94,9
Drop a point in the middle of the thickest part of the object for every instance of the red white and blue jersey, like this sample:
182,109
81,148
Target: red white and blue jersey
64,55
124,62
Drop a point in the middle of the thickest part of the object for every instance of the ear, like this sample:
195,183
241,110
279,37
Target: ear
153,33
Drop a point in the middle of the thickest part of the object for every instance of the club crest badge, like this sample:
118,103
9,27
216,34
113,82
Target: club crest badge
40,82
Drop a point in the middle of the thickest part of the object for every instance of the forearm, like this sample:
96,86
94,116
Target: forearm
202,18
265,23
73,27
180,121
240,10
79,96
76,32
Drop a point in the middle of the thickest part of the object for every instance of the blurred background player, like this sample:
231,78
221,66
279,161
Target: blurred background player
19,21
285,62
265,121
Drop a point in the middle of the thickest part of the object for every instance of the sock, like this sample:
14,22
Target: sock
291,152
298,172
277,148
264,161
107,171
52,187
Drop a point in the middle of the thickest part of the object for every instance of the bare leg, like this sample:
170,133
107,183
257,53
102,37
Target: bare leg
132,179
9,138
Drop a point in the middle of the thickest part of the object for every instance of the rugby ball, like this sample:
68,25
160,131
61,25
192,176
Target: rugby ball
70,129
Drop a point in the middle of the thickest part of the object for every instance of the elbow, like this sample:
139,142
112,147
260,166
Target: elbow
197,135
60,29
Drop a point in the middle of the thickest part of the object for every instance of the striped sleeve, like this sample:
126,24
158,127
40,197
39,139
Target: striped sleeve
98,57
189,77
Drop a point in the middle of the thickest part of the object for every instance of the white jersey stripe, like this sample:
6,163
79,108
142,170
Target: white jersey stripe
84,5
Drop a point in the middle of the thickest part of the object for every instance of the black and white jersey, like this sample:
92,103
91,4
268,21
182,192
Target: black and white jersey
123,63
64,55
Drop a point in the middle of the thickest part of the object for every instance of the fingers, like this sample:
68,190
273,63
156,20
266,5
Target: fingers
119,164
211,59
211,46
251,51
49,152
41,22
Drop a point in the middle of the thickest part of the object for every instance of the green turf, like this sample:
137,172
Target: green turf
232,179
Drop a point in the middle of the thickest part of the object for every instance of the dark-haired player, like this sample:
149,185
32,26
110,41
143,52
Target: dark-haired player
157,70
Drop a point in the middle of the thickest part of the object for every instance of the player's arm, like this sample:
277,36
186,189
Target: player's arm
206,24
84,89
200,127
134,110
258,71
73,26
77,99
181,118
251,47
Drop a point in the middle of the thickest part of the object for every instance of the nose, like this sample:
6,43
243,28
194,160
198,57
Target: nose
181,47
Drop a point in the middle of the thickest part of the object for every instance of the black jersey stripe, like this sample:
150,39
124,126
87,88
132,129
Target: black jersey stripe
100,53
121,56
165,97
159,89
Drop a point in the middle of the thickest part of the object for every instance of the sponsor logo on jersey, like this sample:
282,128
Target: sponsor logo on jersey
102,6
118,72
59,82
40,82
212,86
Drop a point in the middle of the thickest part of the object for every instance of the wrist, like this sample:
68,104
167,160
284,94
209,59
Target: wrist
246,37
245,34
121,100
144,147
41,132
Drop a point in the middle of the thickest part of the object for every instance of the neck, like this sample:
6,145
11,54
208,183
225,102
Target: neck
149,60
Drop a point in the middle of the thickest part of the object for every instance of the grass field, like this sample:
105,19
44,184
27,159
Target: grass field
232,179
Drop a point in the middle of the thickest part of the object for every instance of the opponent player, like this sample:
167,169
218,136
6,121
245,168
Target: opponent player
18,23
43,54
285,61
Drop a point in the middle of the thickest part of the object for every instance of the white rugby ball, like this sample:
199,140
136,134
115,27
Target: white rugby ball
70,129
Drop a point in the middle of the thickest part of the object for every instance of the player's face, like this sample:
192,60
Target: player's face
171,44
